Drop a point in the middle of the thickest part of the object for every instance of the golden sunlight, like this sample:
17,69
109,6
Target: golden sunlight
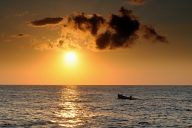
70,58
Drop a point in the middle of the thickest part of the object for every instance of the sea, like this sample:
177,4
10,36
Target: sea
95,107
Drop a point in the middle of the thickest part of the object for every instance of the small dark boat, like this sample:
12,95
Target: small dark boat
120,96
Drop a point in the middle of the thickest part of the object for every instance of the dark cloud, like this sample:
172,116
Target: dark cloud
123,30
104,40
120,30
150,33
91,23
46,21
21,35
117,31
60,44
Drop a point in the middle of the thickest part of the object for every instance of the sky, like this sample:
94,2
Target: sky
116,42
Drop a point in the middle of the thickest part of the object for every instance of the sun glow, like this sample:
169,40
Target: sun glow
70,58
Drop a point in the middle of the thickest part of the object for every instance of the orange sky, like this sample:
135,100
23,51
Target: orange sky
32,54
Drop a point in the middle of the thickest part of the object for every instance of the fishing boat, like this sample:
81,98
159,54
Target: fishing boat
120,96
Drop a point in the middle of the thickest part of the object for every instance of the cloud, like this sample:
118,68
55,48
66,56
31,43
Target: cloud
21,35
150,33
13,37
91,23
46,21
94,31
121,31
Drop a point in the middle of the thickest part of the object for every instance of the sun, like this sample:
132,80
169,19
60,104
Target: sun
70,58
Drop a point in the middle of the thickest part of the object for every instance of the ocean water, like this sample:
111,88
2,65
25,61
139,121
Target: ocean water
95,107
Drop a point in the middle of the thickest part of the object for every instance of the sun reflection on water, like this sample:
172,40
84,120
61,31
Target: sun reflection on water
71,112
